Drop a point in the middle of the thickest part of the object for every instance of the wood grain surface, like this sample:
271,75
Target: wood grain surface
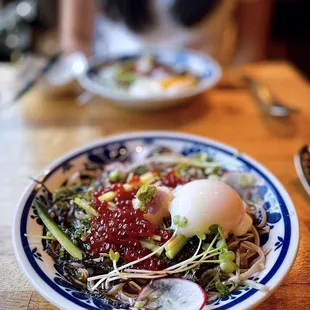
41,128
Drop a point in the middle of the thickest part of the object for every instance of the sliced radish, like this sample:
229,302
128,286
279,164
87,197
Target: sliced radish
173,294
241,181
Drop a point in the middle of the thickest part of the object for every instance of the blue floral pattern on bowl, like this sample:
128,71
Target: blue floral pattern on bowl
121,149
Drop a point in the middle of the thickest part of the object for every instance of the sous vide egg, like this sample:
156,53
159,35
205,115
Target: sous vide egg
144,87
208,202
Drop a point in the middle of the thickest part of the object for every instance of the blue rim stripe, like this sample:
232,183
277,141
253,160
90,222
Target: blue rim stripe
283,207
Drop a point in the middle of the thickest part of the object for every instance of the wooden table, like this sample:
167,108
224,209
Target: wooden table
40,129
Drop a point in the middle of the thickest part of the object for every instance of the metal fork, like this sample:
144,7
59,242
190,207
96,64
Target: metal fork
265,99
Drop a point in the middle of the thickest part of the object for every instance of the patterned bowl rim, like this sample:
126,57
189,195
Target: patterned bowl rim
206,83
49,290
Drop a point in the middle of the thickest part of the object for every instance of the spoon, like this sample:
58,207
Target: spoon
264,98
302,165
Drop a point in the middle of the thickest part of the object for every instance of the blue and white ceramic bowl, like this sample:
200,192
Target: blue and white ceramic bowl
202,66
39,267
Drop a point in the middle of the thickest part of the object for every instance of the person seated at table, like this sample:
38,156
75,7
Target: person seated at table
229,30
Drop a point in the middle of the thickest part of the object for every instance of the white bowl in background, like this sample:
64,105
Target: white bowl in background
202,66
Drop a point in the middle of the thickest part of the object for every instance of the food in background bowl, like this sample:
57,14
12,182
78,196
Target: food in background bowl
150,79
146,75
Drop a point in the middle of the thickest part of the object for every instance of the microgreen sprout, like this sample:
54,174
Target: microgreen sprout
214,228
226,260
176,219
228,256
205,246
180,221
201,235
114,256
221,231
222,289
220,244
218,229
228,266
183,222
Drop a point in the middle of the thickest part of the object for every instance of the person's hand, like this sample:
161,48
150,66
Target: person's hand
77,18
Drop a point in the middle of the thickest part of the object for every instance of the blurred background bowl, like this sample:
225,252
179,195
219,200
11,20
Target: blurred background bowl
205,68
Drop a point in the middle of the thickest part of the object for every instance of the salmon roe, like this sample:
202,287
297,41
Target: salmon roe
121,228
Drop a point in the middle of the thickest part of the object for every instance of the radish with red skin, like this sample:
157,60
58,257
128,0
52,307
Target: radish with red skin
234,180
173,294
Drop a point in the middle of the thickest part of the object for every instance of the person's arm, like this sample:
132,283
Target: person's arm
77,19
254,22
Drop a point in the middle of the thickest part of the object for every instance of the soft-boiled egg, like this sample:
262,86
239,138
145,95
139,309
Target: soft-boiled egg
144,87
208,202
